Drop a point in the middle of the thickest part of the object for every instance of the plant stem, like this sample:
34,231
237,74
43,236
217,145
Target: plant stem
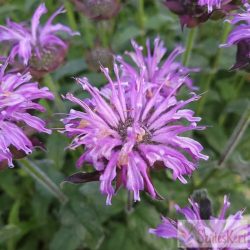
86,27
213,70
130,202
70,15
102,33
54,88
141,14
240,83
236,136
141,18
34,171
239,80
230,146
189,46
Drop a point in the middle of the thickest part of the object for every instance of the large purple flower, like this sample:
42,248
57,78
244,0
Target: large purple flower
18,97
126,134
196,233
37,46
240,36
194,12
156,70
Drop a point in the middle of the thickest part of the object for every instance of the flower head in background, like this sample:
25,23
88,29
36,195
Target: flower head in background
240,36
126,134
99,56
194,12
18,98
37,47
98,9
215,233
154,69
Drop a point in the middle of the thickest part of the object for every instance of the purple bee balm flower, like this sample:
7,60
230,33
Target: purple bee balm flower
154,69
37,47
194,12
196,233
18,97
240,36
126,134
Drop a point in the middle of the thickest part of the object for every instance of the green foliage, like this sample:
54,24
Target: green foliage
31,214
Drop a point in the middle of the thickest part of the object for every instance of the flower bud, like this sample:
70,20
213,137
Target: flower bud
46,60
192,13
243,55
98,9
99,56
204,203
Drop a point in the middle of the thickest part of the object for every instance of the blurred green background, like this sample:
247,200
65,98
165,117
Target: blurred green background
34,213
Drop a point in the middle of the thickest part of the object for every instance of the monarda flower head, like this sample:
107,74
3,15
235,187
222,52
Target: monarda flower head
98,9
128,132
240,36
19,97
156,70
99,56
194,12
197,233
37,47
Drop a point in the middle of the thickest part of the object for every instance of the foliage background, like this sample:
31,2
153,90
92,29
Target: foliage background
31,217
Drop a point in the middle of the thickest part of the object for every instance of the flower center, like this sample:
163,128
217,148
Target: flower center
123,126
42,61
46,59
142,134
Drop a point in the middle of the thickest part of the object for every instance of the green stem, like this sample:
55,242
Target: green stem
240,83
70,15
130,202
34,171
141,14
239,80
213,70
102,33
189,46
232,143
51,84
235,137
86,27
141,19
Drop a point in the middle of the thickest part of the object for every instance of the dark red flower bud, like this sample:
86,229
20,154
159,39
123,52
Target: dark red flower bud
243,55
192,14
47,60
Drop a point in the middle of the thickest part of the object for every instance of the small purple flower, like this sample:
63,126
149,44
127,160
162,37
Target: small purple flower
240,36
37,47
196,233
18,97
126,134
98,9
194,12
154,69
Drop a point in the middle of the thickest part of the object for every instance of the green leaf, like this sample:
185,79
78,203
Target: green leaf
34,171
68,238
7,232
56,149
71,68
